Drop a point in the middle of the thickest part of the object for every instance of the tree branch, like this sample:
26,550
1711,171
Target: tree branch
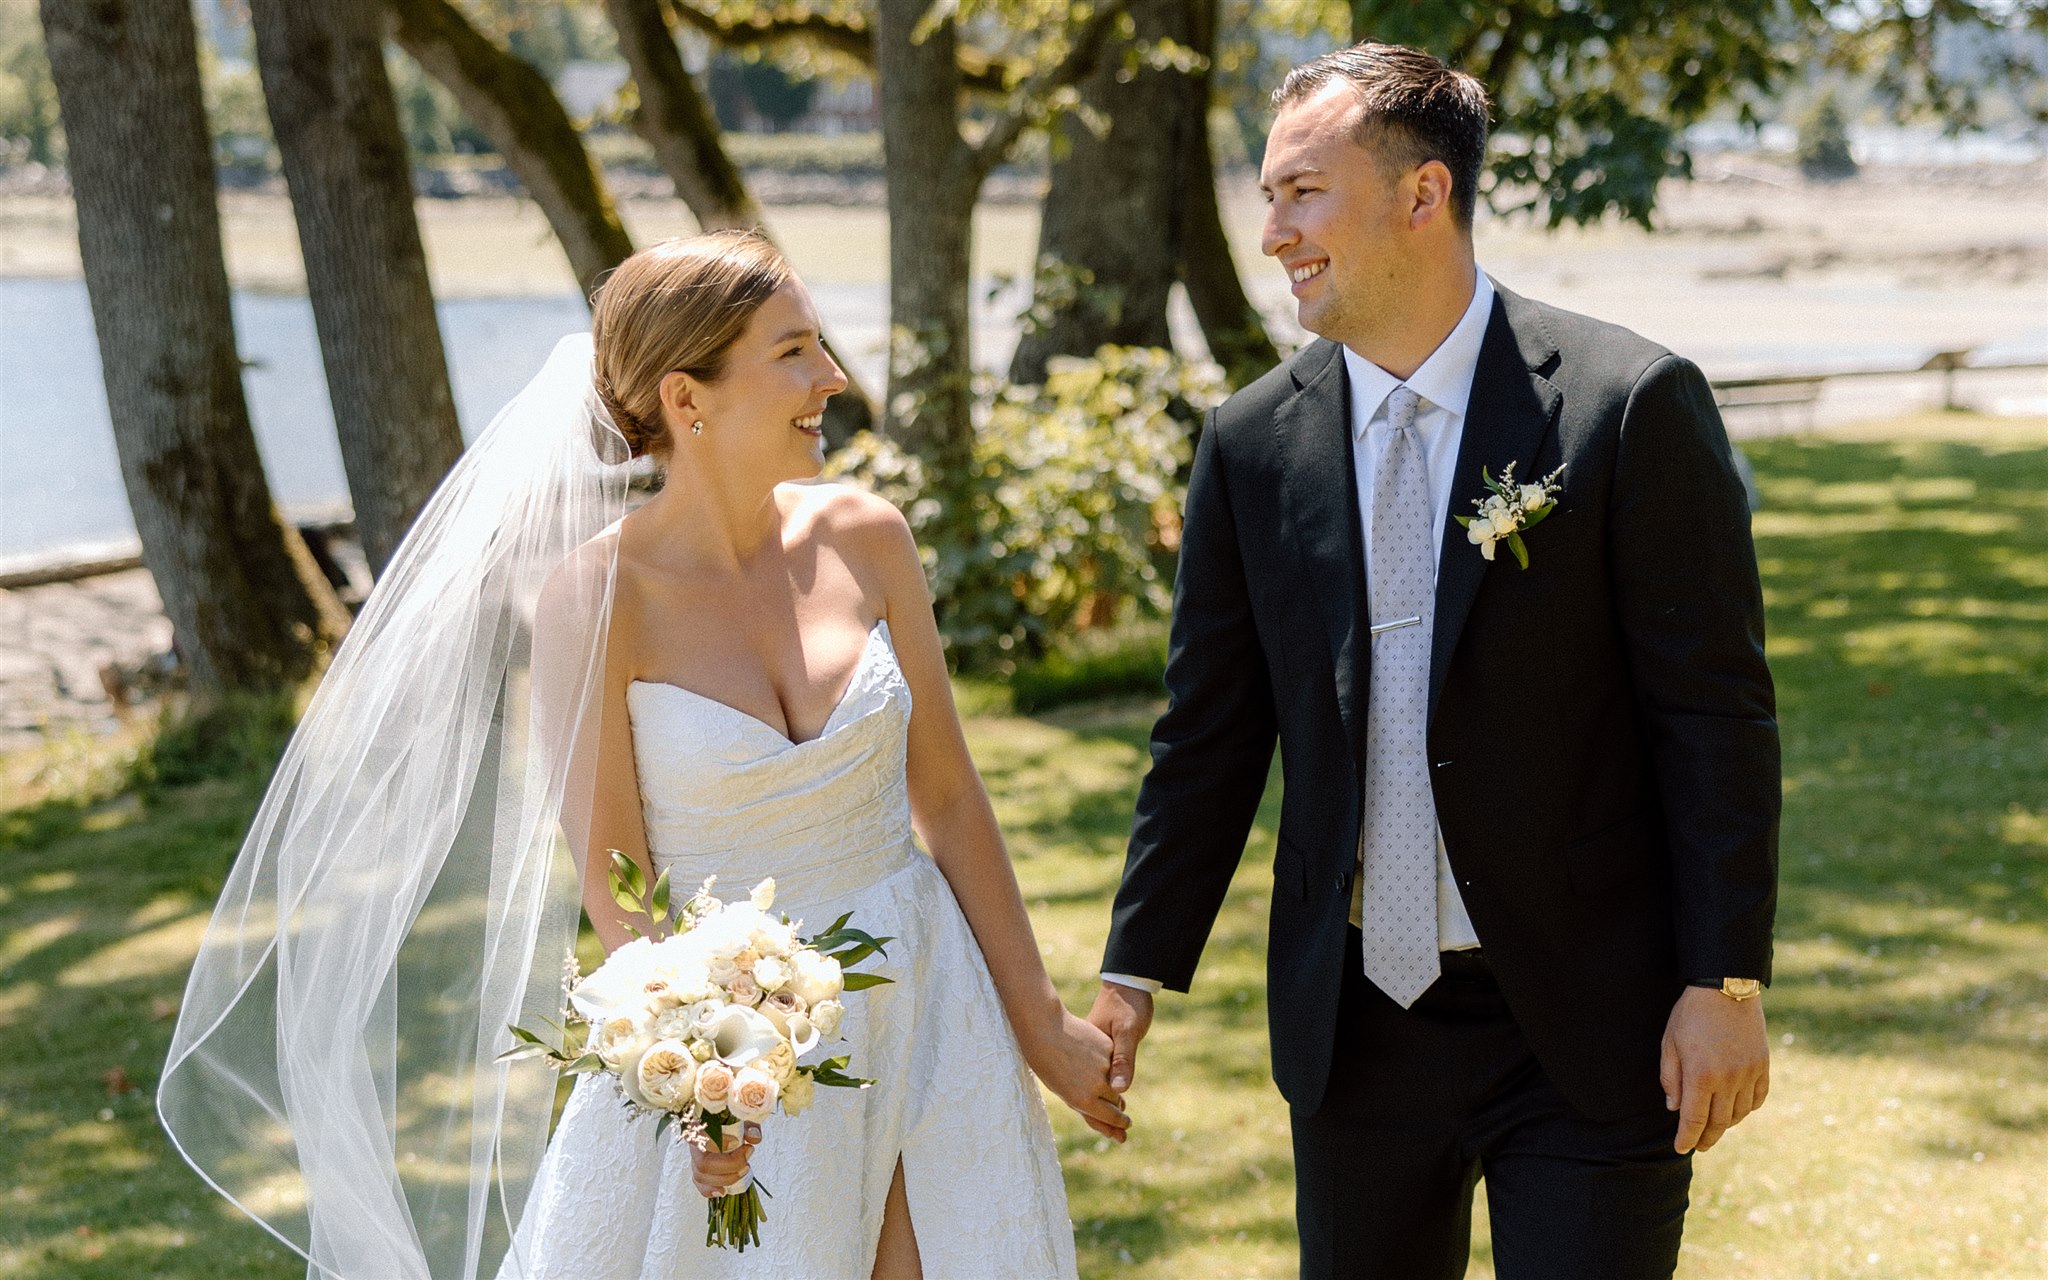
1080,60
850,36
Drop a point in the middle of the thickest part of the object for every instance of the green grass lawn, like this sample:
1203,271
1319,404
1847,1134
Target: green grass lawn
1907,1134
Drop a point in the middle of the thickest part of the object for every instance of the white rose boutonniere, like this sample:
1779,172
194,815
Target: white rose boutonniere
1510,510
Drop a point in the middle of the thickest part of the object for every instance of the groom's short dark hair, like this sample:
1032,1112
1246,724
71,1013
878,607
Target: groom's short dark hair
1413,109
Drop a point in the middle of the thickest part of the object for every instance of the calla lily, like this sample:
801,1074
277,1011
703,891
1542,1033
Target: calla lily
740,1035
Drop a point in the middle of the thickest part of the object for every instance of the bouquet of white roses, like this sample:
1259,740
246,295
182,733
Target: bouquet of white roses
715,1023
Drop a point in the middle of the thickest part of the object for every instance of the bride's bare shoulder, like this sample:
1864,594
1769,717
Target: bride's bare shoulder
843,514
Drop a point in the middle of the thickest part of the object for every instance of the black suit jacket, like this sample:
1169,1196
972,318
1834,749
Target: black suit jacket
1602,728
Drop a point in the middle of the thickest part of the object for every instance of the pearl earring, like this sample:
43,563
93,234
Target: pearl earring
696,428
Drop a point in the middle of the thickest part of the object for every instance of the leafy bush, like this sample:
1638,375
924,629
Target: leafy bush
1075,491
242,736
1127,660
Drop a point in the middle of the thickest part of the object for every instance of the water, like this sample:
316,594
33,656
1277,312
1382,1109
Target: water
60,480
61,496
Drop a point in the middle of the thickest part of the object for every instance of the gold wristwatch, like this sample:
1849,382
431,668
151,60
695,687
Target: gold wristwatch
1733,988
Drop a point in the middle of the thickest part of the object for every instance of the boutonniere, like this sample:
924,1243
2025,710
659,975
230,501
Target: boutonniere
1510,510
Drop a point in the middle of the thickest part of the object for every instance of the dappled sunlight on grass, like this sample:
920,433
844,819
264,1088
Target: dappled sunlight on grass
1907,1130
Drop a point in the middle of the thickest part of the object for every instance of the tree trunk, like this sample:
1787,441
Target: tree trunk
1235,331
1127,212
932,188
675,120
518,111
248,608
322,67
1106,250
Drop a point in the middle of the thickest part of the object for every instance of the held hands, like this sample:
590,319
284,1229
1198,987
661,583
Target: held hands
715,1171
1073,1058
1716,1064
1124,1015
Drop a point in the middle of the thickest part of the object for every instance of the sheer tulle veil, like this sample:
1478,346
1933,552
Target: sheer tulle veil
404,892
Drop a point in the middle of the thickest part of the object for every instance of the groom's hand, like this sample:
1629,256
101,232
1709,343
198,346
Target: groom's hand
1716,1065
1124,1014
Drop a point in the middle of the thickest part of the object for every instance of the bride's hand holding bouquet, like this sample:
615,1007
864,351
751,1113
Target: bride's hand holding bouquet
713,1026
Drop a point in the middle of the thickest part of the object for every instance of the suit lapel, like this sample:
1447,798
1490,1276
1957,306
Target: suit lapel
1319,511
1512,408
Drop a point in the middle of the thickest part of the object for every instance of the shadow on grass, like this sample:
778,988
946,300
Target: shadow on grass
1907,586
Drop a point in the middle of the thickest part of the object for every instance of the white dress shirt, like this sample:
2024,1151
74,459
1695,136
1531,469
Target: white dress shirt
1444,383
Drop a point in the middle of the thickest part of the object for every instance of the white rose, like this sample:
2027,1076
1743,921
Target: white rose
1493,506
773,939
703,1014
770,974
815,977
778,1062
1479,532
714,1085
617,984
721,971
744,990
1506,522
666,1077
826,1014
742,1035
763,896
753,1095
617,1041
1533,497
673,1024
798,1093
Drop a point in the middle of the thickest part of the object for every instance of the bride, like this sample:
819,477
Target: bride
740,678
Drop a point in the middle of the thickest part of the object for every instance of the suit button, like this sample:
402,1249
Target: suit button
1343,882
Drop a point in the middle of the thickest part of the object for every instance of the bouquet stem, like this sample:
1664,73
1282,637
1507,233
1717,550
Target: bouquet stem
734,1221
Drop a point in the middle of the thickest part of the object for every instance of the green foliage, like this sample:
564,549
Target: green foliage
1120,661
1824,142
241,737
29,128
1072,502
1591,99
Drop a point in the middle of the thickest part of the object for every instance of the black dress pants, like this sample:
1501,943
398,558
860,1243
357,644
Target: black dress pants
1425,1101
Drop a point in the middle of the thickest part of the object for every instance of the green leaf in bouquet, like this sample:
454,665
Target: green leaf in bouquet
628,882
714,1128
1537,516
1521,550
584,1065
829,930
661,1126
862,981
524,1036
519,1052
1464,521
658,901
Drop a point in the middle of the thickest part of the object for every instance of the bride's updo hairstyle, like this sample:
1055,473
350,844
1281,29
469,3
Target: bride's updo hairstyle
675,306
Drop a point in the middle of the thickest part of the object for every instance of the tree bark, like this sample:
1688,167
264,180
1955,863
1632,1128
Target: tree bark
1235,331
345,162
675,120
518,111
249,610
933,182
1106,249
1127,212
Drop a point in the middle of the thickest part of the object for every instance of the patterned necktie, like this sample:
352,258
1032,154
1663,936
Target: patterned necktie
1397,850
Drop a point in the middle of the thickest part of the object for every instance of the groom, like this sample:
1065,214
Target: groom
1527,856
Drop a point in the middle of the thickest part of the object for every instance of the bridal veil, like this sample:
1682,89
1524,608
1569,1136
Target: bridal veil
403,893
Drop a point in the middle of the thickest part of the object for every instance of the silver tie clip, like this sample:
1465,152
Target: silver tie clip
1395,625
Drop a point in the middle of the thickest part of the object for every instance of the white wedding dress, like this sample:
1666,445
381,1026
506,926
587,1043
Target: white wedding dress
725,794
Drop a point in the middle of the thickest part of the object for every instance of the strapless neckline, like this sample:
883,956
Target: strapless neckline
879,631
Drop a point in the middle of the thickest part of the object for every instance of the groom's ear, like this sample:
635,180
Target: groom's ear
1430,189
